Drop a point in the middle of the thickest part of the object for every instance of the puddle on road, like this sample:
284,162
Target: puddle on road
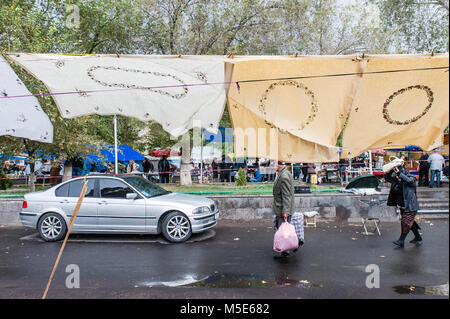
175,283
251,281
234,281
441,290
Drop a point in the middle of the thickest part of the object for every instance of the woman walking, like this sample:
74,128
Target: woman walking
403,195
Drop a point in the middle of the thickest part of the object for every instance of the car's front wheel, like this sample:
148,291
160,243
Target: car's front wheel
176,227
52,227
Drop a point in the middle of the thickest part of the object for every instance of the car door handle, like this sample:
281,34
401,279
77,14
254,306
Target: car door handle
103,202
65,201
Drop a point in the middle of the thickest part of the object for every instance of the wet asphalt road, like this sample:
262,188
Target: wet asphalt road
236,263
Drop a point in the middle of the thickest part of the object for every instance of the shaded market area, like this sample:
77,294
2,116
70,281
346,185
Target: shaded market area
208,167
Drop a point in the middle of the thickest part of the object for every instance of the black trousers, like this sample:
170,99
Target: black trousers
164,178
305,174
423,178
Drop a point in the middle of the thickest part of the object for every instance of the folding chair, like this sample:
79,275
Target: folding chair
310,220
376,222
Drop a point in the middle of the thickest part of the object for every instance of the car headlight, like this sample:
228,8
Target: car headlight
201,210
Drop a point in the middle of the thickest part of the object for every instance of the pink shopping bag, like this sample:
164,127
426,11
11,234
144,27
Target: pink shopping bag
285,238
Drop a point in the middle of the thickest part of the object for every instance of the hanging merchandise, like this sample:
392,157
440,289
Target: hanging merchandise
144,87
399,108
21,117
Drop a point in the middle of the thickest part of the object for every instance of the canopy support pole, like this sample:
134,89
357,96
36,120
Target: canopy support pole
116,164
201,156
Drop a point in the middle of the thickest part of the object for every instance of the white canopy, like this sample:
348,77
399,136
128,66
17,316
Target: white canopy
209,153
21,117
140,86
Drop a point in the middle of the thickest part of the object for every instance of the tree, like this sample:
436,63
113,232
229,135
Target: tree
416,26
154,137
198,26
42,26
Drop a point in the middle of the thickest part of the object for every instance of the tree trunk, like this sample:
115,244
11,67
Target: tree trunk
32,180
185,169
67,171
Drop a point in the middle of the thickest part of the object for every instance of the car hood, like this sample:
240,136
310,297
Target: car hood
185,199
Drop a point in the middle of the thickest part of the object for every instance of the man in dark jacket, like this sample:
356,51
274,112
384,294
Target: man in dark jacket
445,171
77,166
147,166
215,168
164,170
403,195
225,170
283,197
424,167
305,171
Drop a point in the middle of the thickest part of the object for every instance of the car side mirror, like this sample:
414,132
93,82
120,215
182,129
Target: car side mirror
132,196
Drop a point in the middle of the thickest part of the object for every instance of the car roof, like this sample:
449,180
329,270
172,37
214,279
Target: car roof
112,176
106,176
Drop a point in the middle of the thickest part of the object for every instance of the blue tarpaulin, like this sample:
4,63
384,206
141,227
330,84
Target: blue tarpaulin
124,154
224,134
4,157
409,148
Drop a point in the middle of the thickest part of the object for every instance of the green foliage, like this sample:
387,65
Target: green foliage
241,178
416,26
5,183
225,121
153,137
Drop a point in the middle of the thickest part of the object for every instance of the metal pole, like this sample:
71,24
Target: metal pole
116,164
370,162
201,156
349,169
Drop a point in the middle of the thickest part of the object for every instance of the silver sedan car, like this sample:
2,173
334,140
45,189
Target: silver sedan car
127,204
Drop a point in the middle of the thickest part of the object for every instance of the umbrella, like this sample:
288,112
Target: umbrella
164,152
378,151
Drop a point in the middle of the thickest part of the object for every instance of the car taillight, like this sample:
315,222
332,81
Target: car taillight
24,204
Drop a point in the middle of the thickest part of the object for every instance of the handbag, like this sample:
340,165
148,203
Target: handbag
396,162
285,238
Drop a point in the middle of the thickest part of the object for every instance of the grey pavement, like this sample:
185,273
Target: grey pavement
235,263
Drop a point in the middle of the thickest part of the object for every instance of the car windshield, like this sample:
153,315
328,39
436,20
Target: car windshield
144,186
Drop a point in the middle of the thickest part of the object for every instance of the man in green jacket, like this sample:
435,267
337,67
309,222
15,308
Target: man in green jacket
283,197
297,167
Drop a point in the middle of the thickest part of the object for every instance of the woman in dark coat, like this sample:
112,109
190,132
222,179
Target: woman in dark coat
403,195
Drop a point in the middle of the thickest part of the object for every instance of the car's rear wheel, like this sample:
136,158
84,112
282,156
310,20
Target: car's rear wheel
176,227
52,227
